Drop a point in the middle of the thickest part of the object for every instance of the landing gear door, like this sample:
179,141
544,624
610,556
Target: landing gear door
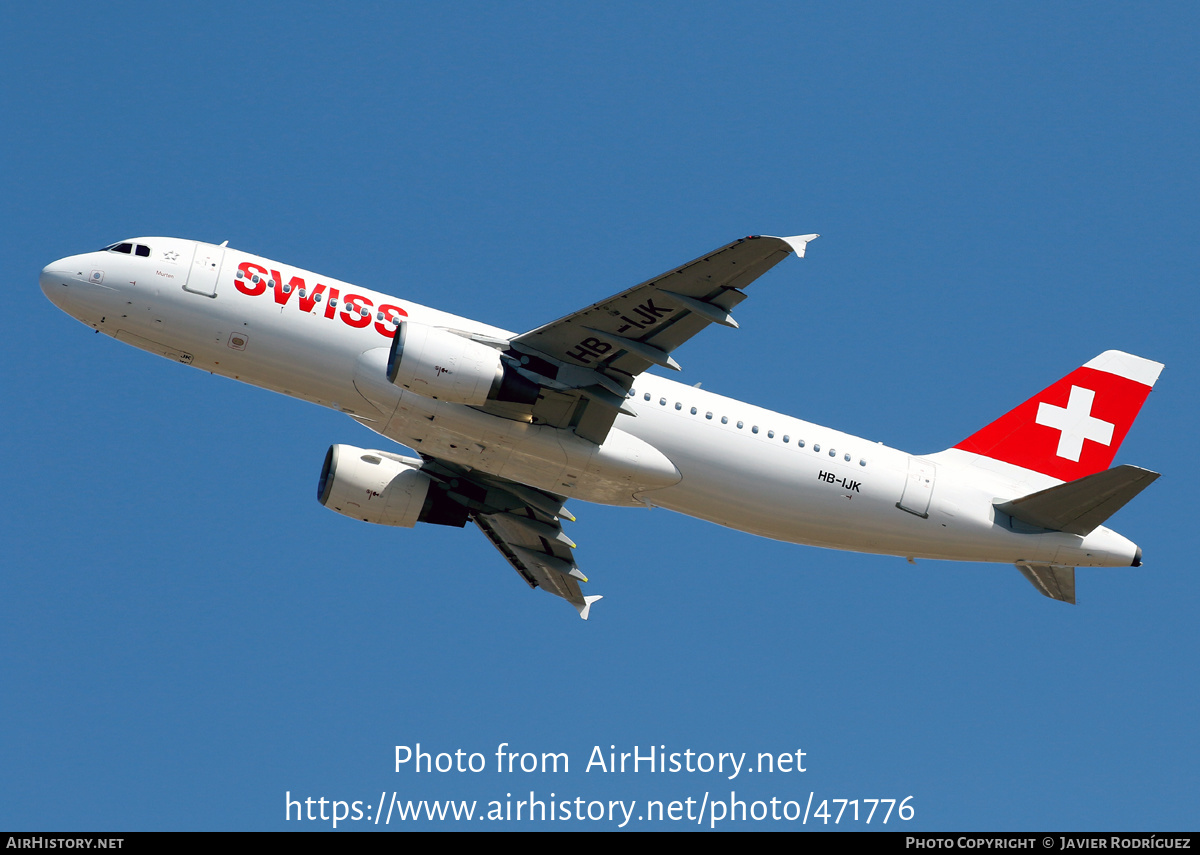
918,488
206,266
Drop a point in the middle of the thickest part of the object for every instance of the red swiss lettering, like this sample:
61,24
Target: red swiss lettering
331,303
353,315
385,327
307,298
246,284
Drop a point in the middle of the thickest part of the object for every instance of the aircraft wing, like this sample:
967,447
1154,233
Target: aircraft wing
539,551
587,360
524,523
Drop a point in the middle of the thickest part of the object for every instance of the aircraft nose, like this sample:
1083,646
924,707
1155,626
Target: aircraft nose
64,282
53,279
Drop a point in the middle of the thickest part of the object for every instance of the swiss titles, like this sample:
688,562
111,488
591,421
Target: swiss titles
355,310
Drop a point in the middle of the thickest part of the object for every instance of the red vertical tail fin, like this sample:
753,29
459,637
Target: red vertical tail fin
1075,426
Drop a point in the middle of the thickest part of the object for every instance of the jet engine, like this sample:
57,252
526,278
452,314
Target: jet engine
382,488
438,364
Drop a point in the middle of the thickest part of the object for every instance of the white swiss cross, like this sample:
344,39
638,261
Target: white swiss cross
1076,423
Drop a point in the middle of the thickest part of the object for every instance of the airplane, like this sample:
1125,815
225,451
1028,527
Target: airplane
507,427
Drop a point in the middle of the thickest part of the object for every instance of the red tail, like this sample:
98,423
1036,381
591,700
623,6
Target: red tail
1074,427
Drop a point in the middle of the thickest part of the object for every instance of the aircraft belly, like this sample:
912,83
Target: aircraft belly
538,455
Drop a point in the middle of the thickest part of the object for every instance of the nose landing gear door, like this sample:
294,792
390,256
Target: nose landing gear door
205,267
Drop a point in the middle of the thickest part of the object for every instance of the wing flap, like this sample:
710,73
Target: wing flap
541,553
522,522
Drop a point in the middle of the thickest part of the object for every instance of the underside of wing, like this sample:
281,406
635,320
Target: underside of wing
627,333
585,362
523,523
539,551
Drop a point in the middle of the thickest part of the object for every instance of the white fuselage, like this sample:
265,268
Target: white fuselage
686,449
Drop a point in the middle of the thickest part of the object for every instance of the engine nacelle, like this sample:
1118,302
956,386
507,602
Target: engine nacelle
447,367
377,488
367,486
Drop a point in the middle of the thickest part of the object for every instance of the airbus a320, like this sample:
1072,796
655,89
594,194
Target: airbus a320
506,427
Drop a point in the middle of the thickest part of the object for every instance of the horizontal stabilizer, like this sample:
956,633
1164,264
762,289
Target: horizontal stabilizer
1051,580
1078,507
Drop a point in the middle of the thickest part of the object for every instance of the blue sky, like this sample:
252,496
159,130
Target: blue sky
1002,191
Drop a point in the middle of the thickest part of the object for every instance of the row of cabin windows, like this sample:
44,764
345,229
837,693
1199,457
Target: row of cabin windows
662,402
137,249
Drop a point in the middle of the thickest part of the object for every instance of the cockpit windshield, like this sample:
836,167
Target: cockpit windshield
128,248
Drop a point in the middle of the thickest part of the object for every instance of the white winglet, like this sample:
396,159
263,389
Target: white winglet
587,605
798,243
